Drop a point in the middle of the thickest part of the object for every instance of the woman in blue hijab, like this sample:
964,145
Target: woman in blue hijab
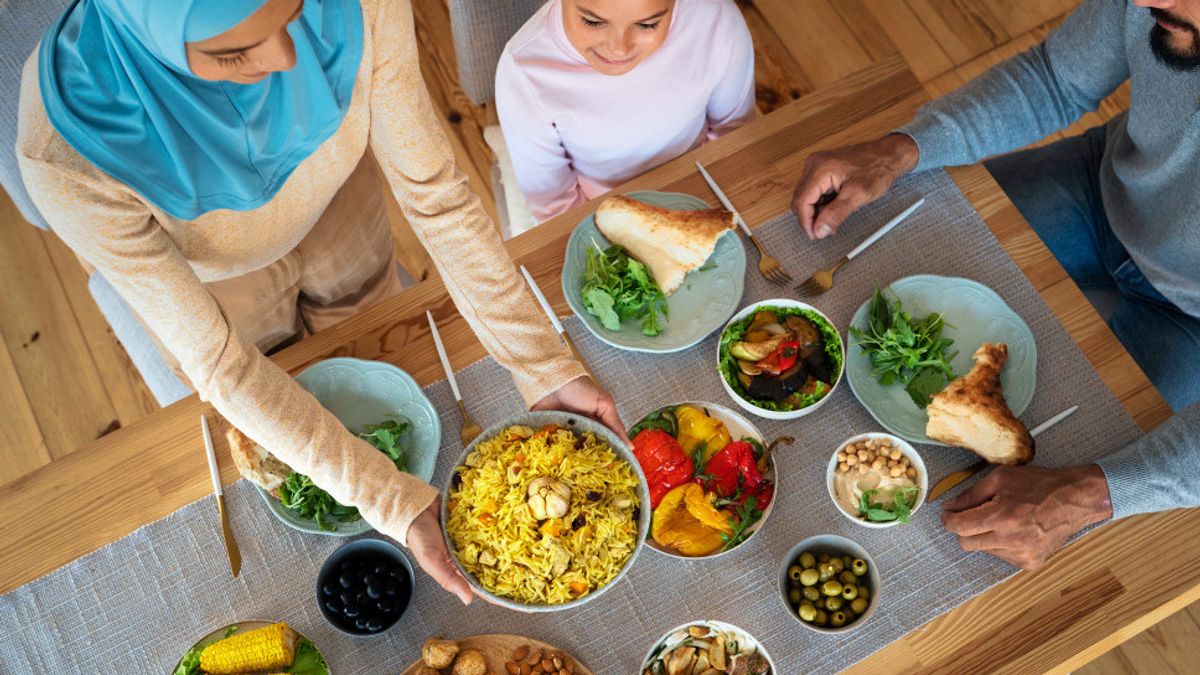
215,161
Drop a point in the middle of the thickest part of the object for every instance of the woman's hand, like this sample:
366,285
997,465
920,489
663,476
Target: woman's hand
582,395
1023,514
429,548
836,183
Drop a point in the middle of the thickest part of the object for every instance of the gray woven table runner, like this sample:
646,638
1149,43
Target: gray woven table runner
137,604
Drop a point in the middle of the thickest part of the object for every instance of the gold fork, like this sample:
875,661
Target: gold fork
470,430
768,265
822,281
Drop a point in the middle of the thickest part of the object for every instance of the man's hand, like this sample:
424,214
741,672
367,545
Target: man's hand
853,176
582,395
427,546
1023,514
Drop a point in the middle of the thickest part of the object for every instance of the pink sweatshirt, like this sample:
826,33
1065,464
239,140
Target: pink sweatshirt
574,133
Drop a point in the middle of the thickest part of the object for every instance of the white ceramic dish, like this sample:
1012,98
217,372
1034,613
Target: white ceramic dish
674,636
739,427
577,423
833,545
909,451
751,407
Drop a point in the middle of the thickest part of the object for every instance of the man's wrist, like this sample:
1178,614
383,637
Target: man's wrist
1088,493
904,149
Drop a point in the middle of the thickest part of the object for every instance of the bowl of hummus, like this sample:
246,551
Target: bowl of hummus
877,480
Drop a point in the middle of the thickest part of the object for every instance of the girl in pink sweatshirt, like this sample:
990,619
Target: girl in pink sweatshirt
592,93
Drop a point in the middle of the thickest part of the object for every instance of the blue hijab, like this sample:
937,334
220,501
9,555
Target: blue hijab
116,85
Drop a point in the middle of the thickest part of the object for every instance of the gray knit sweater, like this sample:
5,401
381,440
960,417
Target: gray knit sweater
1148,180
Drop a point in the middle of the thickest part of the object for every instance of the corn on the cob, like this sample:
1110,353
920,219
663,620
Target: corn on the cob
261,649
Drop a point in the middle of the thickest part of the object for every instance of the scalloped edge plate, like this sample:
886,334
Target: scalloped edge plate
700,307
925,293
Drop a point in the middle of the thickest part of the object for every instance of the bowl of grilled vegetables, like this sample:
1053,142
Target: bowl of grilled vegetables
780,359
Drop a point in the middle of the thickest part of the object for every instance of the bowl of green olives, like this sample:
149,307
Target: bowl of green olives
829,584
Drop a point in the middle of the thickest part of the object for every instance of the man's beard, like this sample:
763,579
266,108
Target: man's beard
1160,43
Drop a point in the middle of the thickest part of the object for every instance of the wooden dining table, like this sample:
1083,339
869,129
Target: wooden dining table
1102,589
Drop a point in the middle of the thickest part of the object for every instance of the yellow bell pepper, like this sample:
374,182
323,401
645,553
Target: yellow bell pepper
687,522
695,428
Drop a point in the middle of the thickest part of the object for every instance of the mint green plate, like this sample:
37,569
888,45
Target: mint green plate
358,393
702,305
974,314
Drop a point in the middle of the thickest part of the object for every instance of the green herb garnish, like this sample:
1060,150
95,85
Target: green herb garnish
310,502
903,499
661,419
748,514
907,351
617,288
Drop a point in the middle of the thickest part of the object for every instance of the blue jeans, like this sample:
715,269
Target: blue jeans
1056,188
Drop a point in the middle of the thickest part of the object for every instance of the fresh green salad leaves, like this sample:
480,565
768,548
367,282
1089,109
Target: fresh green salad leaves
906,351
617,287
877,510
307,660
385,436
310,502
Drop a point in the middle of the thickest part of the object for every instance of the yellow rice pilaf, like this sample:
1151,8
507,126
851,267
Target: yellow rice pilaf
512,554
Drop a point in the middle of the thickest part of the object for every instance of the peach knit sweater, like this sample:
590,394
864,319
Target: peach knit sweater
160,264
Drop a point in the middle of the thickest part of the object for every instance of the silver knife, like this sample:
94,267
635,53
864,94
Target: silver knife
231,547
737,216
945,484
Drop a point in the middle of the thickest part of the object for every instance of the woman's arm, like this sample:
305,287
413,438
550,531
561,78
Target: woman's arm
544,171
418,163
732,101
114,232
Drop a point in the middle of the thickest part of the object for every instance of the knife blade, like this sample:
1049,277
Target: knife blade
737,216
562,332
945,484
231,547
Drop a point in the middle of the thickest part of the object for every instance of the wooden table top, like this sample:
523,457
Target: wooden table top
1090,597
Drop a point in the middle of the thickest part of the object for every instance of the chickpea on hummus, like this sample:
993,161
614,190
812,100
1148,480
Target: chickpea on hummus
875,481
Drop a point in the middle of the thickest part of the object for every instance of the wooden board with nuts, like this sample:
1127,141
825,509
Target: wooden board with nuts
496,654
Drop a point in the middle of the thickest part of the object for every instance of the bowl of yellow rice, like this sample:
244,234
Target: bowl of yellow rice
545,511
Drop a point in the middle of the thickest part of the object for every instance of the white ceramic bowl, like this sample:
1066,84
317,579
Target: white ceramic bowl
739,427
576,423
897,442
833,545
776,414
672,637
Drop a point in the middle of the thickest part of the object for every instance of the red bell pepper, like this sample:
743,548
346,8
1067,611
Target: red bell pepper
734,470
784,357
663,461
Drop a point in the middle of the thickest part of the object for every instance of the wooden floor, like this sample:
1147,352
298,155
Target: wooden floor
65,380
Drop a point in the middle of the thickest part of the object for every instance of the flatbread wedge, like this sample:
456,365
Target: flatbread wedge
971,412
670,242
256,464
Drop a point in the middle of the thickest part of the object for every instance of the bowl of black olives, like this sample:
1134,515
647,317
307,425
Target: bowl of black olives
364,587
829,584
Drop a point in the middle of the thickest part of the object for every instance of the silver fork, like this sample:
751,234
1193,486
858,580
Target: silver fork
822,281
768,265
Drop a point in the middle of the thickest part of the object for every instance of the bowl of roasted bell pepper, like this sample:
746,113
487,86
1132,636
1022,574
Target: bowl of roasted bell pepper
711,477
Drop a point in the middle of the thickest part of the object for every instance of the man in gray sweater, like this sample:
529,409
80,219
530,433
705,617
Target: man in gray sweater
1118,206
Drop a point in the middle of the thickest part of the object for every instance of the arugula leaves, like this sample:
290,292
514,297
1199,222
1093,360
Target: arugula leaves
310,502
747,514
660,419
617,288
878,511
906,351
